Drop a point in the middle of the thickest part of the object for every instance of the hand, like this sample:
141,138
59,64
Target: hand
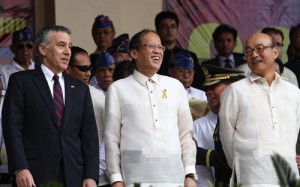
189,182
89,183
298,160
118,184
24,178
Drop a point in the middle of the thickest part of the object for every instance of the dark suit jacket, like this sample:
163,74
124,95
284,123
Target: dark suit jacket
33,139
238,59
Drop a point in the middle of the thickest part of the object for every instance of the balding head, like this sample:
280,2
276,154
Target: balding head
261,53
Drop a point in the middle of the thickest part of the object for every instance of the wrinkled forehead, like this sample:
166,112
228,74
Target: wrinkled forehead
258,39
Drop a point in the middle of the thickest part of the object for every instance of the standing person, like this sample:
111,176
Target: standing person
181,68
252,127
104,67
103,32
79,68
48,120
225,41
285,72
294,63
148,123
166,24
210,152
22,47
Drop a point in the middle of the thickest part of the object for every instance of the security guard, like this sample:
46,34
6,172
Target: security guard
209,151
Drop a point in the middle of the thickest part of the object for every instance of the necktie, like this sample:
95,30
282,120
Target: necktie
58,100
227,63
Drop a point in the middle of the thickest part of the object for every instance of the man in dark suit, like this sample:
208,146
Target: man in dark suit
166,24
49,125
225,41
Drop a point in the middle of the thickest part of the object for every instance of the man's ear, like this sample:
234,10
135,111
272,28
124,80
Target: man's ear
42,49
133,54
275,52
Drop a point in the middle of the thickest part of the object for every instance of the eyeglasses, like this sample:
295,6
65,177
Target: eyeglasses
82,68
153,46
22,46
182,71
165,26
258,49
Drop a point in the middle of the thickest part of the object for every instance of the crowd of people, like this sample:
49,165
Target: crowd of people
121,115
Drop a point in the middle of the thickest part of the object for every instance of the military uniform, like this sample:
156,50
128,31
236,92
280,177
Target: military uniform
216,158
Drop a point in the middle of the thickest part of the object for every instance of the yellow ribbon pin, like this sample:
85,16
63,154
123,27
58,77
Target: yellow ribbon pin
164,95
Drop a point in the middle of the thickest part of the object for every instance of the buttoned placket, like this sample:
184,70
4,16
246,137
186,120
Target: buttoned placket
150,88
273,111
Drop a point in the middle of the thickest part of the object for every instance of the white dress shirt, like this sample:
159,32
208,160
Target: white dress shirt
194,93
287,73
256,121
7,69
149,131
49,77
98,99
203,133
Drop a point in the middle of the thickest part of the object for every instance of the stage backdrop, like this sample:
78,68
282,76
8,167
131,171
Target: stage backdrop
199,18
14,15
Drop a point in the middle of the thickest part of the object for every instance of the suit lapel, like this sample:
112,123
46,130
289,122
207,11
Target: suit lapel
43,87
69,95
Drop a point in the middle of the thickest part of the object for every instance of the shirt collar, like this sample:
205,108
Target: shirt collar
48,73
253,77
222,58
17,66
142,79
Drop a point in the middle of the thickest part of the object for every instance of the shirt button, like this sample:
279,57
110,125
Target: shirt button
153,105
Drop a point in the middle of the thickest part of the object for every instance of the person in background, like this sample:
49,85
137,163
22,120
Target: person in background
79,67
120,48
22,47
294,64
252,127
103,32
277,35
103,69
225,41
49,125
166,24
211,162
181,68
148,123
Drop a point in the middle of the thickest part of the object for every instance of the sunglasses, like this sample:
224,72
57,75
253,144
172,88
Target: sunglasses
22,46
82,68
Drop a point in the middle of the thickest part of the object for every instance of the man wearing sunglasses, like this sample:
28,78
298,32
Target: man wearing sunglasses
80,68
22,47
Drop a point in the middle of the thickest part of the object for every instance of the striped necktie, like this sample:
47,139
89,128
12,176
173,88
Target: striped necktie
58,100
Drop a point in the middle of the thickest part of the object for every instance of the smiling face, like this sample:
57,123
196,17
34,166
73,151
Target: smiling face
57,51
148,60
213,95
261,62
